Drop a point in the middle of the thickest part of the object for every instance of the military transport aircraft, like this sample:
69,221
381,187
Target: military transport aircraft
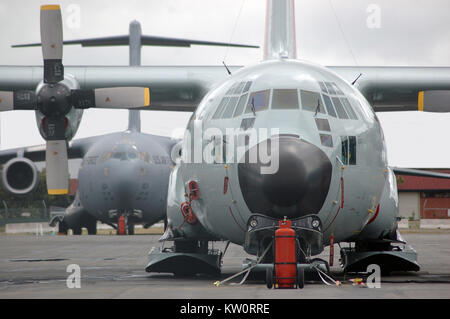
281,142
122,174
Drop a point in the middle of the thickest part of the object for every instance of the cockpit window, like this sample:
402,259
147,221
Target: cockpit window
229,109
329,105
311,101
337,89
220,108
351,113
247,86
240,105
330,88
323,87
232,88
258,101
124,156
339,108
239,88
285,99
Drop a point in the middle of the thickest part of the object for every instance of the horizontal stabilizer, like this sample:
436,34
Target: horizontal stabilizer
145,40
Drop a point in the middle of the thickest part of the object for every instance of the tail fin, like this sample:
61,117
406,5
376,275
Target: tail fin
280,30
135,44
134,121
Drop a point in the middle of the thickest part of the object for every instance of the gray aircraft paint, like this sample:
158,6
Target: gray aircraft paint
137,180
226,215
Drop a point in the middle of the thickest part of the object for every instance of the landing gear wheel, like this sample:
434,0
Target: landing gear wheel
130,229
269,278
62,228
76,230
300,278
92,229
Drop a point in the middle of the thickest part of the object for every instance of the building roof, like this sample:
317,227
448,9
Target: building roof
420,183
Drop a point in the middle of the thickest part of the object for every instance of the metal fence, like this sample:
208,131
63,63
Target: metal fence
23,215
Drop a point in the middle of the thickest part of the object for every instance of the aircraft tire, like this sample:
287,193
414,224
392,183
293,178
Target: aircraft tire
300,278
269,278
77,230
130,229
62,228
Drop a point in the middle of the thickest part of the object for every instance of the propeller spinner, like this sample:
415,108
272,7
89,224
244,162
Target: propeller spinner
55,100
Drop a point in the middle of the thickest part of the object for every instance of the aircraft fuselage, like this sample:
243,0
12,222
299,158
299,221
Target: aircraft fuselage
126,174
320,151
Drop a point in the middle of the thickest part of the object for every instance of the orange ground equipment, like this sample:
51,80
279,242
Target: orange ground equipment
285,256
121,226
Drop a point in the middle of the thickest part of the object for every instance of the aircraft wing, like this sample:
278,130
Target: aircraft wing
172,88
422,173
397,88
181,88
76,149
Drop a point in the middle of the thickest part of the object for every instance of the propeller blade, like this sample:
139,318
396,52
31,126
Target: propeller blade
434,101
57,167
111,98
6,101
52,43
55,128
18,100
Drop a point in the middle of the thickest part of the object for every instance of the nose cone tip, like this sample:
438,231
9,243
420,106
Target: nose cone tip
298,187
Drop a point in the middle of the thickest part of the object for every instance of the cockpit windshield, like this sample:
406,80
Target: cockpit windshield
124,152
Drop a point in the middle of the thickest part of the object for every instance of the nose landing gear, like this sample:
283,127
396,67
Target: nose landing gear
292,242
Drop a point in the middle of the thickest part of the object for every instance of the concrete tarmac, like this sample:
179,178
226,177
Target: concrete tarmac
113,267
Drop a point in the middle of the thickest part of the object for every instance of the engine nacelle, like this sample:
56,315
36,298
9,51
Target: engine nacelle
20,176
73,118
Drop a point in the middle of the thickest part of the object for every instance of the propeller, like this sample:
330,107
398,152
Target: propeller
55,100
434,101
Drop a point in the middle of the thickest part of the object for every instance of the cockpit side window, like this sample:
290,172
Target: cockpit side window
348,108
232,88
239,88
311,101
323,87
335,96
329,105
240,105
229,109
330,88
285,99
258,101
220,107
247,86
339,108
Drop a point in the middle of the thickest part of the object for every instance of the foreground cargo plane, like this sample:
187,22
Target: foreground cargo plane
284,139
123,177
289,142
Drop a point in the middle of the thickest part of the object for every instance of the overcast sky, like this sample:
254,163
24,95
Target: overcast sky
364,32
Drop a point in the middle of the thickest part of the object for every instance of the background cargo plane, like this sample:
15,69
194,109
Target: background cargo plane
122,174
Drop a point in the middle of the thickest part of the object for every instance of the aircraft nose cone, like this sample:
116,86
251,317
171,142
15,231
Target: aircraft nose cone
125,188
298,187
